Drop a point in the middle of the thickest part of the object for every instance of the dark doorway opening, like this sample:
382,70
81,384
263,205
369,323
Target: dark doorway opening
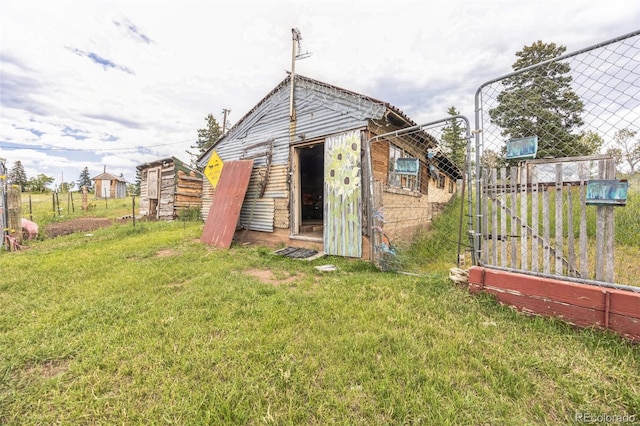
311,162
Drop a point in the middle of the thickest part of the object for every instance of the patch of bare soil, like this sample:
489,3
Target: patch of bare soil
165,253
49,369
268,277
82,224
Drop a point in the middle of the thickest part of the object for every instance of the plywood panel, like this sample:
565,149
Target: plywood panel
227,202
342,195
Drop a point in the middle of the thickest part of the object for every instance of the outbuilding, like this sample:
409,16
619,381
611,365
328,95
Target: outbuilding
109,186
168,188
317,178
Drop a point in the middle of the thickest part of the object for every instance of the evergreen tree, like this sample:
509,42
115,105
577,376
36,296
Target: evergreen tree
454,141
85,179
206,138
17,175
136,186
540,102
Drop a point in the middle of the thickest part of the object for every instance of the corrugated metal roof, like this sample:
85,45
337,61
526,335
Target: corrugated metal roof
109,176
181,165
328,109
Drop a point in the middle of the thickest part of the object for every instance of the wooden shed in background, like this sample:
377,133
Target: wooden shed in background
109,186
168,186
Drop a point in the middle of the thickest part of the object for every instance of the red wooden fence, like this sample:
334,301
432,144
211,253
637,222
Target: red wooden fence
579,304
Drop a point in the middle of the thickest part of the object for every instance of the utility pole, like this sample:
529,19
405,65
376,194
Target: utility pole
296,36
225,111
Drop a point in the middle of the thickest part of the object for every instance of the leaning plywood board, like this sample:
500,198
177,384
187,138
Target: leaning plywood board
227,202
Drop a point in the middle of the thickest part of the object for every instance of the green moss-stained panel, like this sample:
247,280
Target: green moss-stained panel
342,195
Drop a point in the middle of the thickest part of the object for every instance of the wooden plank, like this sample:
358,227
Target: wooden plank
572,314
609,228
503,217
559,243
584,252
579,304
571,249
577,294
535,226
184,177
190,184
625,303
227,203
494,220
524,214
546,249
600,217
622,302
514,228
485,220
628,327
152,183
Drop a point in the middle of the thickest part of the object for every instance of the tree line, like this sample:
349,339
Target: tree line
16,175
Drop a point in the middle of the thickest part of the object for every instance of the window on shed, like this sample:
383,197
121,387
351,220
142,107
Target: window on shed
441,180
404,170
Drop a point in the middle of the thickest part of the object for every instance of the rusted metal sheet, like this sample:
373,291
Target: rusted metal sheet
227,202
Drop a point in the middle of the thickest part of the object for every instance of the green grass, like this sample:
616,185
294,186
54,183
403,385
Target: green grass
147,325
40,207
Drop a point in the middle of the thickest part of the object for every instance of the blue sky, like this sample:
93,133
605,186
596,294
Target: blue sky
118,83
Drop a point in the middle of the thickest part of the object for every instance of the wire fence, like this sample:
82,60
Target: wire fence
415,174
568,127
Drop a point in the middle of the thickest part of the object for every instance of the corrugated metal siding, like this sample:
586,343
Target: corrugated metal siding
258,213
321,110
207,198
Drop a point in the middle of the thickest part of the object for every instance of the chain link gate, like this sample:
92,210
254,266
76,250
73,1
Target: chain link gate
414,174
540,215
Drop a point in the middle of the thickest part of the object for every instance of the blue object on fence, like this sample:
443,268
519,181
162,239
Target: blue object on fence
407,166
607,192
522,148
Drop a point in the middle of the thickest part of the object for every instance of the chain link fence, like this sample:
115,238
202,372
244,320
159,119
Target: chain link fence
567,128
416,175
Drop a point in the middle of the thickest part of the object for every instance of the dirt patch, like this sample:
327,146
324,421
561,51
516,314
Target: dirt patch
268,277
49,369
165,253
83,224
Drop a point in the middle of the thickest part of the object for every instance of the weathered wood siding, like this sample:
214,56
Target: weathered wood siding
177,190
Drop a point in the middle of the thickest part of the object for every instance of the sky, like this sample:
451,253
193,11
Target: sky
110,85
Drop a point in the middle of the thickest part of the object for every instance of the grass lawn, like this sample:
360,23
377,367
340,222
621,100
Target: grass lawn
147,325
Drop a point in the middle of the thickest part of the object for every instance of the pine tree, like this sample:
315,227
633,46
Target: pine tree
206,138
85,179
17,175
540,102
453,140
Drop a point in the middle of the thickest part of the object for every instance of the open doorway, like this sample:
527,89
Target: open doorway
310,190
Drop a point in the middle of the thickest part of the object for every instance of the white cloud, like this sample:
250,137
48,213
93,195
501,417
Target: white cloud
112,77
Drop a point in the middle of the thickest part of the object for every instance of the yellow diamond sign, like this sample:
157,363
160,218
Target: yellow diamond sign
213,169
